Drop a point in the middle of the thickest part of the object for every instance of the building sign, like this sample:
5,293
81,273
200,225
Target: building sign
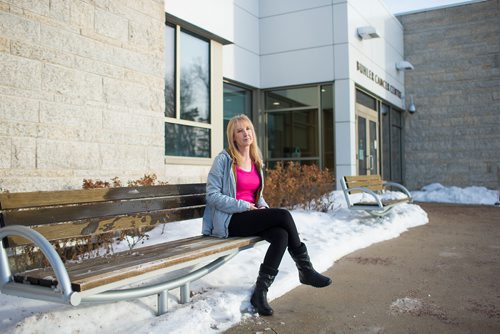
378,80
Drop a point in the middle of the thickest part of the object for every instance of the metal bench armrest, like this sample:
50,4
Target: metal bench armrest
400,187
64,284
369,192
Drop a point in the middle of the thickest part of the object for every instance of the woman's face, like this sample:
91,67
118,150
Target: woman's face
243,135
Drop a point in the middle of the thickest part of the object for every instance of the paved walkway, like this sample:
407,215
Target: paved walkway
443,277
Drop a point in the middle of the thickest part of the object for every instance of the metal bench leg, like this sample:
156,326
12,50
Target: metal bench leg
184,293
162,302
5,274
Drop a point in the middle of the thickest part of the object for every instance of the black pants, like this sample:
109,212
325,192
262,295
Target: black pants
276,226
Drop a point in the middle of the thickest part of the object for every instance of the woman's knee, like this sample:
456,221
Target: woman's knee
283,216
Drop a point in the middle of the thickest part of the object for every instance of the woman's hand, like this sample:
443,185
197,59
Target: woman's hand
253,207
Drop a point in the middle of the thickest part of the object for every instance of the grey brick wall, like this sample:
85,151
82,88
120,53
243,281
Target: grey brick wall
454,137
81,91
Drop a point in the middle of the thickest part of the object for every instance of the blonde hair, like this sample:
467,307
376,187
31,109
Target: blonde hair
255,153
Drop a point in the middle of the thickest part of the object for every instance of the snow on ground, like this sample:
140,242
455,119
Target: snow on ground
221,299
471,195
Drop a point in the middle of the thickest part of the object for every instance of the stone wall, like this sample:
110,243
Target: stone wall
454,137
81,91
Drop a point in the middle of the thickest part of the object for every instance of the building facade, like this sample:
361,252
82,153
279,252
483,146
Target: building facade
318,92
92,89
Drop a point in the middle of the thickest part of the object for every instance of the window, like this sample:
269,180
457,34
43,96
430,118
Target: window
187,94
237,100
392,127
366,100
300,125
328,136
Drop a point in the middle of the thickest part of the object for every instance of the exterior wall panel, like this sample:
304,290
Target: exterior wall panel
297,67
214,16
454,136
306,29
81,92
278,7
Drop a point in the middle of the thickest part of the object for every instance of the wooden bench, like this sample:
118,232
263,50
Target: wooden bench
58,221
373,186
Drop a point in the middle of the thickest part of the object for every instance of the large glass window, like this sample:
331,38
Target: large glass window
386,139
187,141
396,143
170,71
328,126
195,78
300,125
237,100
293,135
391,143
187,94
292,98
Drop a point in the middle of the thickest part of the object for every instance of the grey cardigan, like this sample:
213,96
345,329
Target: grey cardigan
221,197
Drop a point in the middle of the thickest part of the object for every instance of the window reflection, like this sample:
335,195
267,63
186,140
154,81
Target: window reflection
292,98
169,71
194,79
237,100
293,135
328,127
187,141
300,125
366,100
391,143
187,94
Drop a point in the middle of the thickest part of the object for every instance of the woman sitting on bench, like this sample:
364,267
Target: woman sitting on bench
236,208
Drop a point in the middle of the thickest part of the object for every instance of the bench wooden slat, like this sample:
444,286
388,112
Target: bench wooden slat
51,215
105,270
63,197
94,226
372,182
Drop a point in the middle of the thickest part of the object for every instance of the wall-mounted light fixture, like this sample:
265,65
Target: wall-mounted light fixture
411,106
367,32
404,65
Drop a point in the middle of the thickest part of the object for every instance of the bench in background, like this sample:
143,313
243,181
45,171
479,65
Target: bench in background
55,223
372,186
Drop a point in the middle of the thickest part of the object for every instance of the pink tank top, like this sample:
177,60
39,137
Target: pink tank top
247,184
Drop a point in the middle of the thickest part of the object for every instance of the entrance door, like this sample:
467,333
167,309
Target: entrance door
367,140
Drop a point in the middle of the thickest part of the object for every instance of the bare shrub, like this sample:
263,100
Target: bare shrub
295,185
146,180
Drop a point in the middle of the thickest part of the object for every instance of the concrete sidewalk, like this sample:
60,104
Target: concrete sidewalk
443,277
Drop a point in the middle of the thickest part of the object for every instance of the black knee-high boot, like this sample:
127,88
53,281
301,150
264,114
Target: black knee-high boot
259,296
307,274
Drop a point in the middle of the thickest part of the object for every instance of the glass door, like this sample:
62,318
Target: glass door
367,151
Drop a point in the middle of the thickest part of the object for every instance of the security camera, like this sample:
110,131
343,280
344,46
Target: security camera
404,65
411,107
